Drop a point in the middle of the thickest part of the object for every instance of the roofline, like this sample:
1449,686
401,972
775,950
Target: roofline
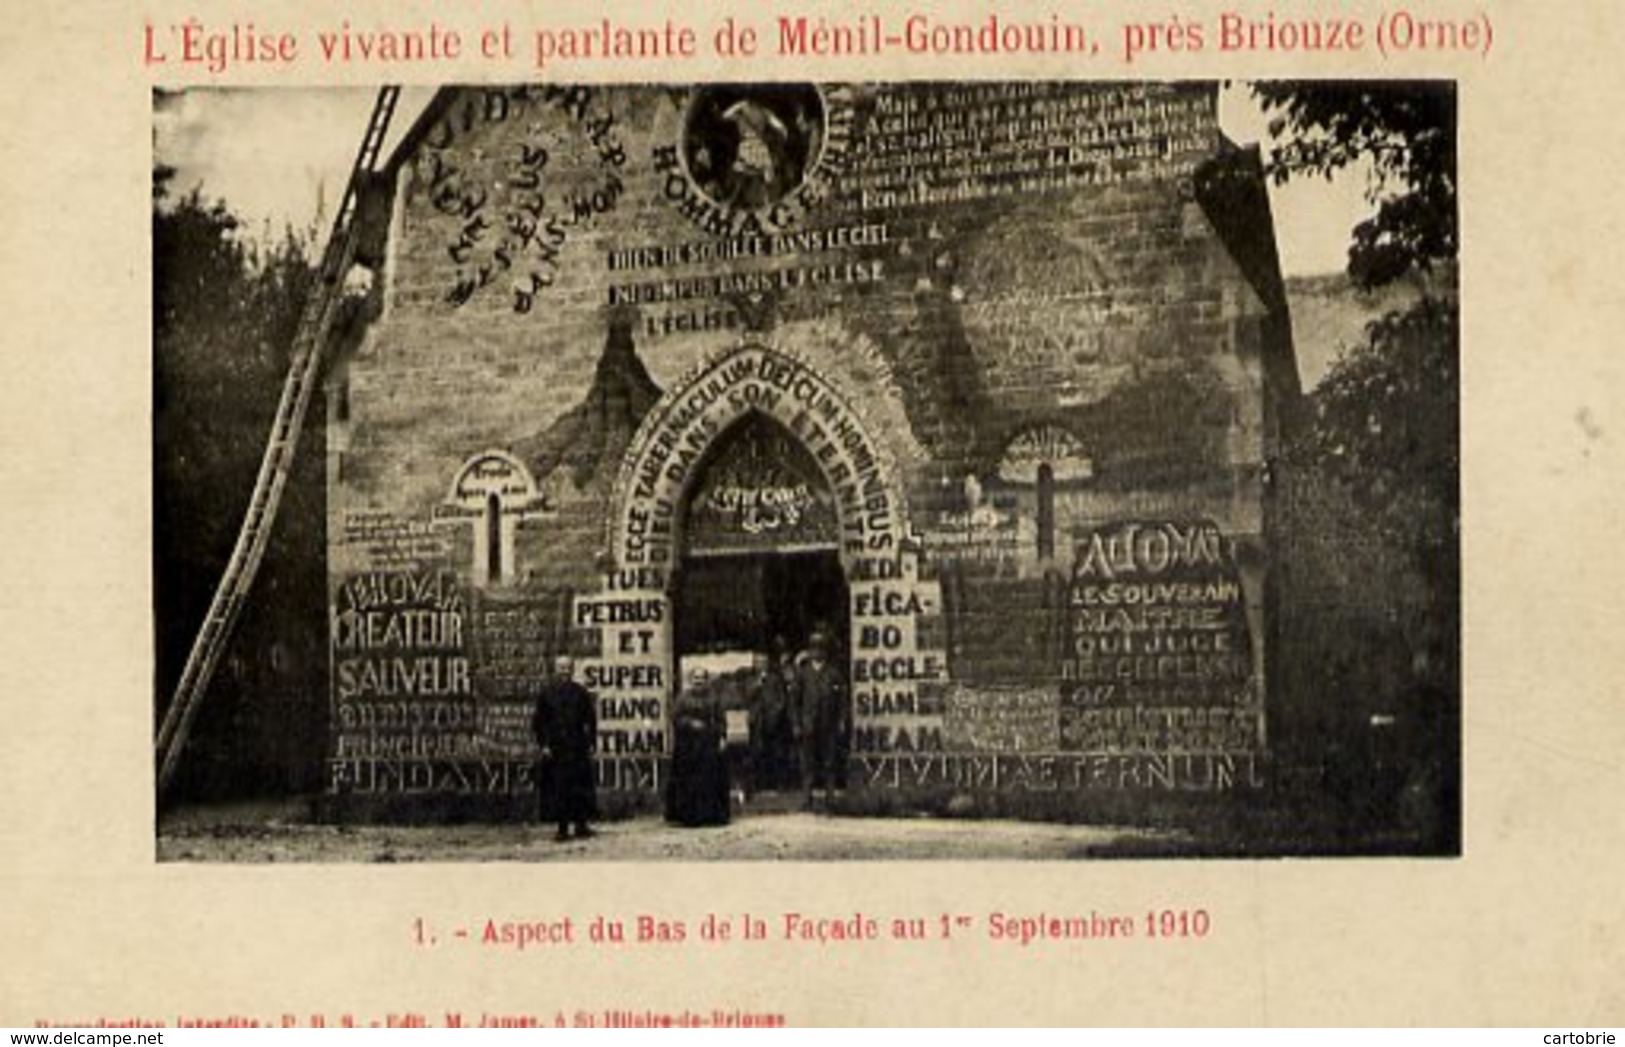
437,107
444,96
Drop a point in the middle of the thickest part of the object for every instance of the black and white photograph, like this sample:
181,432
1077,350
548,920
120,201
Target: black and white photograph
940,470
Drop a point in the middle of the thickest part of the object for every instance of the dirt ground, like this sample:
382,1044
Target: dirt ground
269,834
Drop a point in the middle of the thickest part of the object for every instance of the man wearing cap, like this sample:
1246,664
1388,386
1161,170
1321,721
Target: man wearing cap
566,729
823,719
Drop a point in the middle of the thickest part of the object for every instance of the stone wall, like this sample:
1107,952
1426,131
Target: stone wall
1007,321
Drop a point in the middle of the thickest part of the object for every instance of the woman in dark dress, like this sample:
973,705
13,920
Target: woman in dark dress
697,793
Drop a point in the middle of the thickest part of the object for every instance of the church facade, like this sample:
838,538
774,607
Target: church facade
979,384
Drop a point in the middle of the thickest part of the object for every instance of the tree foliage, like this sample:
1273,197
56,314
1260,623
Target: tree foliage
1386,415
225,311
1385,420
224,316
1386,426
1406,133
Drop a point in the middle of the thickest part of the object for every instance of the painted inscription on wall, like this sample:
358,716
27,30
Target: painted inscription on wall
1157,619
636,267
632,674
1071,773
400,635
984,534
674,440
377,776
761,490
928,145
895,669
1114,730
385,542
510,224
1003,719
1057,327
407,711
513,640
402,680
691,285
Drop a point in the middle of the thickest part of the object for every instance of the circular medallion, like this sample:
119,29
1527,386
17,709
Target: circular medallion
746,147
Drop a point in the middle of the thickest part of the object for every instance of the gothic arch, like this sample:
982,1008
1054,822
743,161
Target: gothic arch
889,650
672,445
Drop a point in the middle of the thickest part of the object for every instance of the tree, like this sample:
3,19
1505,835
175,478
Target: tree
224,316
1385,417
1406,133
1385,420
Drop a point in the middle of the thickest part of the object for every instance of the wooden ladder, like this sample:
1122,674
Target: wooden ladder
304,370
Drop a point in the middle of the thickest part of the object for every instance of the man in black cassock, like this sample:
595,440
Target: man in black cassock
566,729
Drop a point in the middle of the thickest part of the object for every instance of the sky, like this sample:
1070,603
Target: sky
271,154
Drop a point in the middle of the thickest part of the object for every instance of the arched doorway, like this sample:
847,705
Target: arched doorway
759,574
678,583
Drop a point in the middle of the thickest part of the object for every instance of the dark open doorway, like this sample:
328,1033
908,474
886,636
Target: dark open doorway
759,577
759,536
746,602
742,621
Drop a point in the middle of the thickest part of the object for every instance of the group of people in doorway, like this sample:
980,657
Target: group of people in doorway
783,725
